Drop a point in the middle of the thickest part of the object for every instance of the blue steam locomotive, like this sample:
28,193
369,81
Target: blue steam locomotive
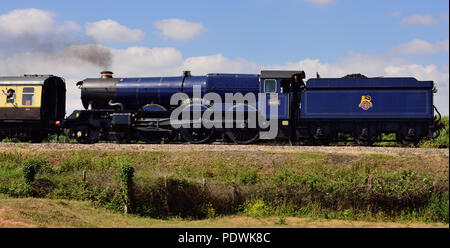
321,111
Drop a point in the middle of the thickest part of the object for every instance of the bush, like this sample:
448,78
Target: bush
78,161
439,207
257,208
248,176
126,178
287,177
442,140
10,140
30,167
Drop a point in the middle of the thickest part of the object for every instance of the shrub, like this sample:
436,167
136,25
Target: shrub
30,167
11,140
79,161
126,178
257,208
247,175
286,177
439,207
10,160
442,140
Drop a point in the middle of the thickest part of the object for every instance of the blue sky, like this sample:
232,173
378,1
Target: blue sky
264,30
334,37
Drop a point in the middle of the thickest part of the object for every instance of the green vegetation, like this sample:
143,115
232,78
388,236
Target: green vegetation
126,179
197,185
30,167
34,212
10,140
442,141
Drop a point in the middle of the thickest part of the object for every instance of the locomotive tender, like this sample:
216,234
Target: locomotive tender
139,109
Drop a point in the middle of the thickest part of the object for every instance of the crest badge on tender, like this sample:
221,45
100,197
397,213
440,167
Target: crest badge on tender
366,102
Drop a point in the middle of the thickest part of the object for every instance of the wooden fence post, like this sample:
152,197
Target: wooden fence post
166,195
235,194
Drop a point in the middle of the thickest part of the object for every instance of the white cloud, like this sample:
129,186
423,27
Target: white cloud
178,29
418,47
31,30
322,2
218,64
26,21
110,31
418,20
395,14
144,61
445,16
21,22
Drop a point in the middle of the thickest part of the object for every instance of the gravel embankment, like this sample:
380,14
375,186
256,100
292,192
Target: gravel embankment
224,147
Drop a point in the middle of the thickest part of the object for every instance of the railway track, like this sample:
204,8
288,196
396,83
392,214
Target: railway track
224,148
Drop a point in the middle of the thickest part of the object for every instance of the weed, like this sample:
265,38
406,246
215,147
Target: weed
257,208
281,221
30,167
247,175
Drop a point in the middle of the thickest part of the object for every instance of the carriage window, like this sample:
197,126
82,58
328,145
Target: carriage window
270,86
27,97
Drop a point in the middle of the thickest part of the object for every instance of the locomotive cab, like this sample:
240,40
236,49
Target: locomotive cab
282,90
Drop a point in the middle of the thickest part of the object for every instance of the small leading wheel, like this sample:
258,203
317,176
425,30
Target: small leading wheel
197,135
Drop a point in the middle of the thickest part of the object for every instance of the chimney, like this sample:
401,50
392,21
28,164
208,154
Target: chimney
186,73
106,74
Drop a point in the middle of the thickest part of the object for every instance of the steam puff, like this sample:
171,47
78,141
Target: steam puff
92,53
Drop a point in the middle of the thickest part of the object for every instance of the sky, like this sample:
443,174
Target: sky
78,39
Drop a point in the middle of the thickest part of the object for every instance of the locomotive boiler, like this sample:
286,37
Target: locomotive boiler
138,109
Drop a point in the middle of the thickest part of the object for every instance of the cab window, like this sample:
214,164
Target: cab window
270,86
27,96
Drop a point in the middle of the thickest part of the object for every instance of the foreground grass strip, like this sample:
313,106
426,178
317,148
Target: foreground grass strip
31,212
198,185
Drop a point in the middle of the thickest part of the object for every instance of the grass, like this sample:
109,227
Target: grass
197,185
32,212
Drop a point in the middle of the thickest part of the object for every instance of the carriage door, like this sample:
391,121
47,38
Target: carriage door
275,96
8,101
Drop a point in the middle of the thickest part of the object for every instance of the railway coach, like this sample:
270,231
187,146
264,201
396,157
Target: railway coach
31,106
